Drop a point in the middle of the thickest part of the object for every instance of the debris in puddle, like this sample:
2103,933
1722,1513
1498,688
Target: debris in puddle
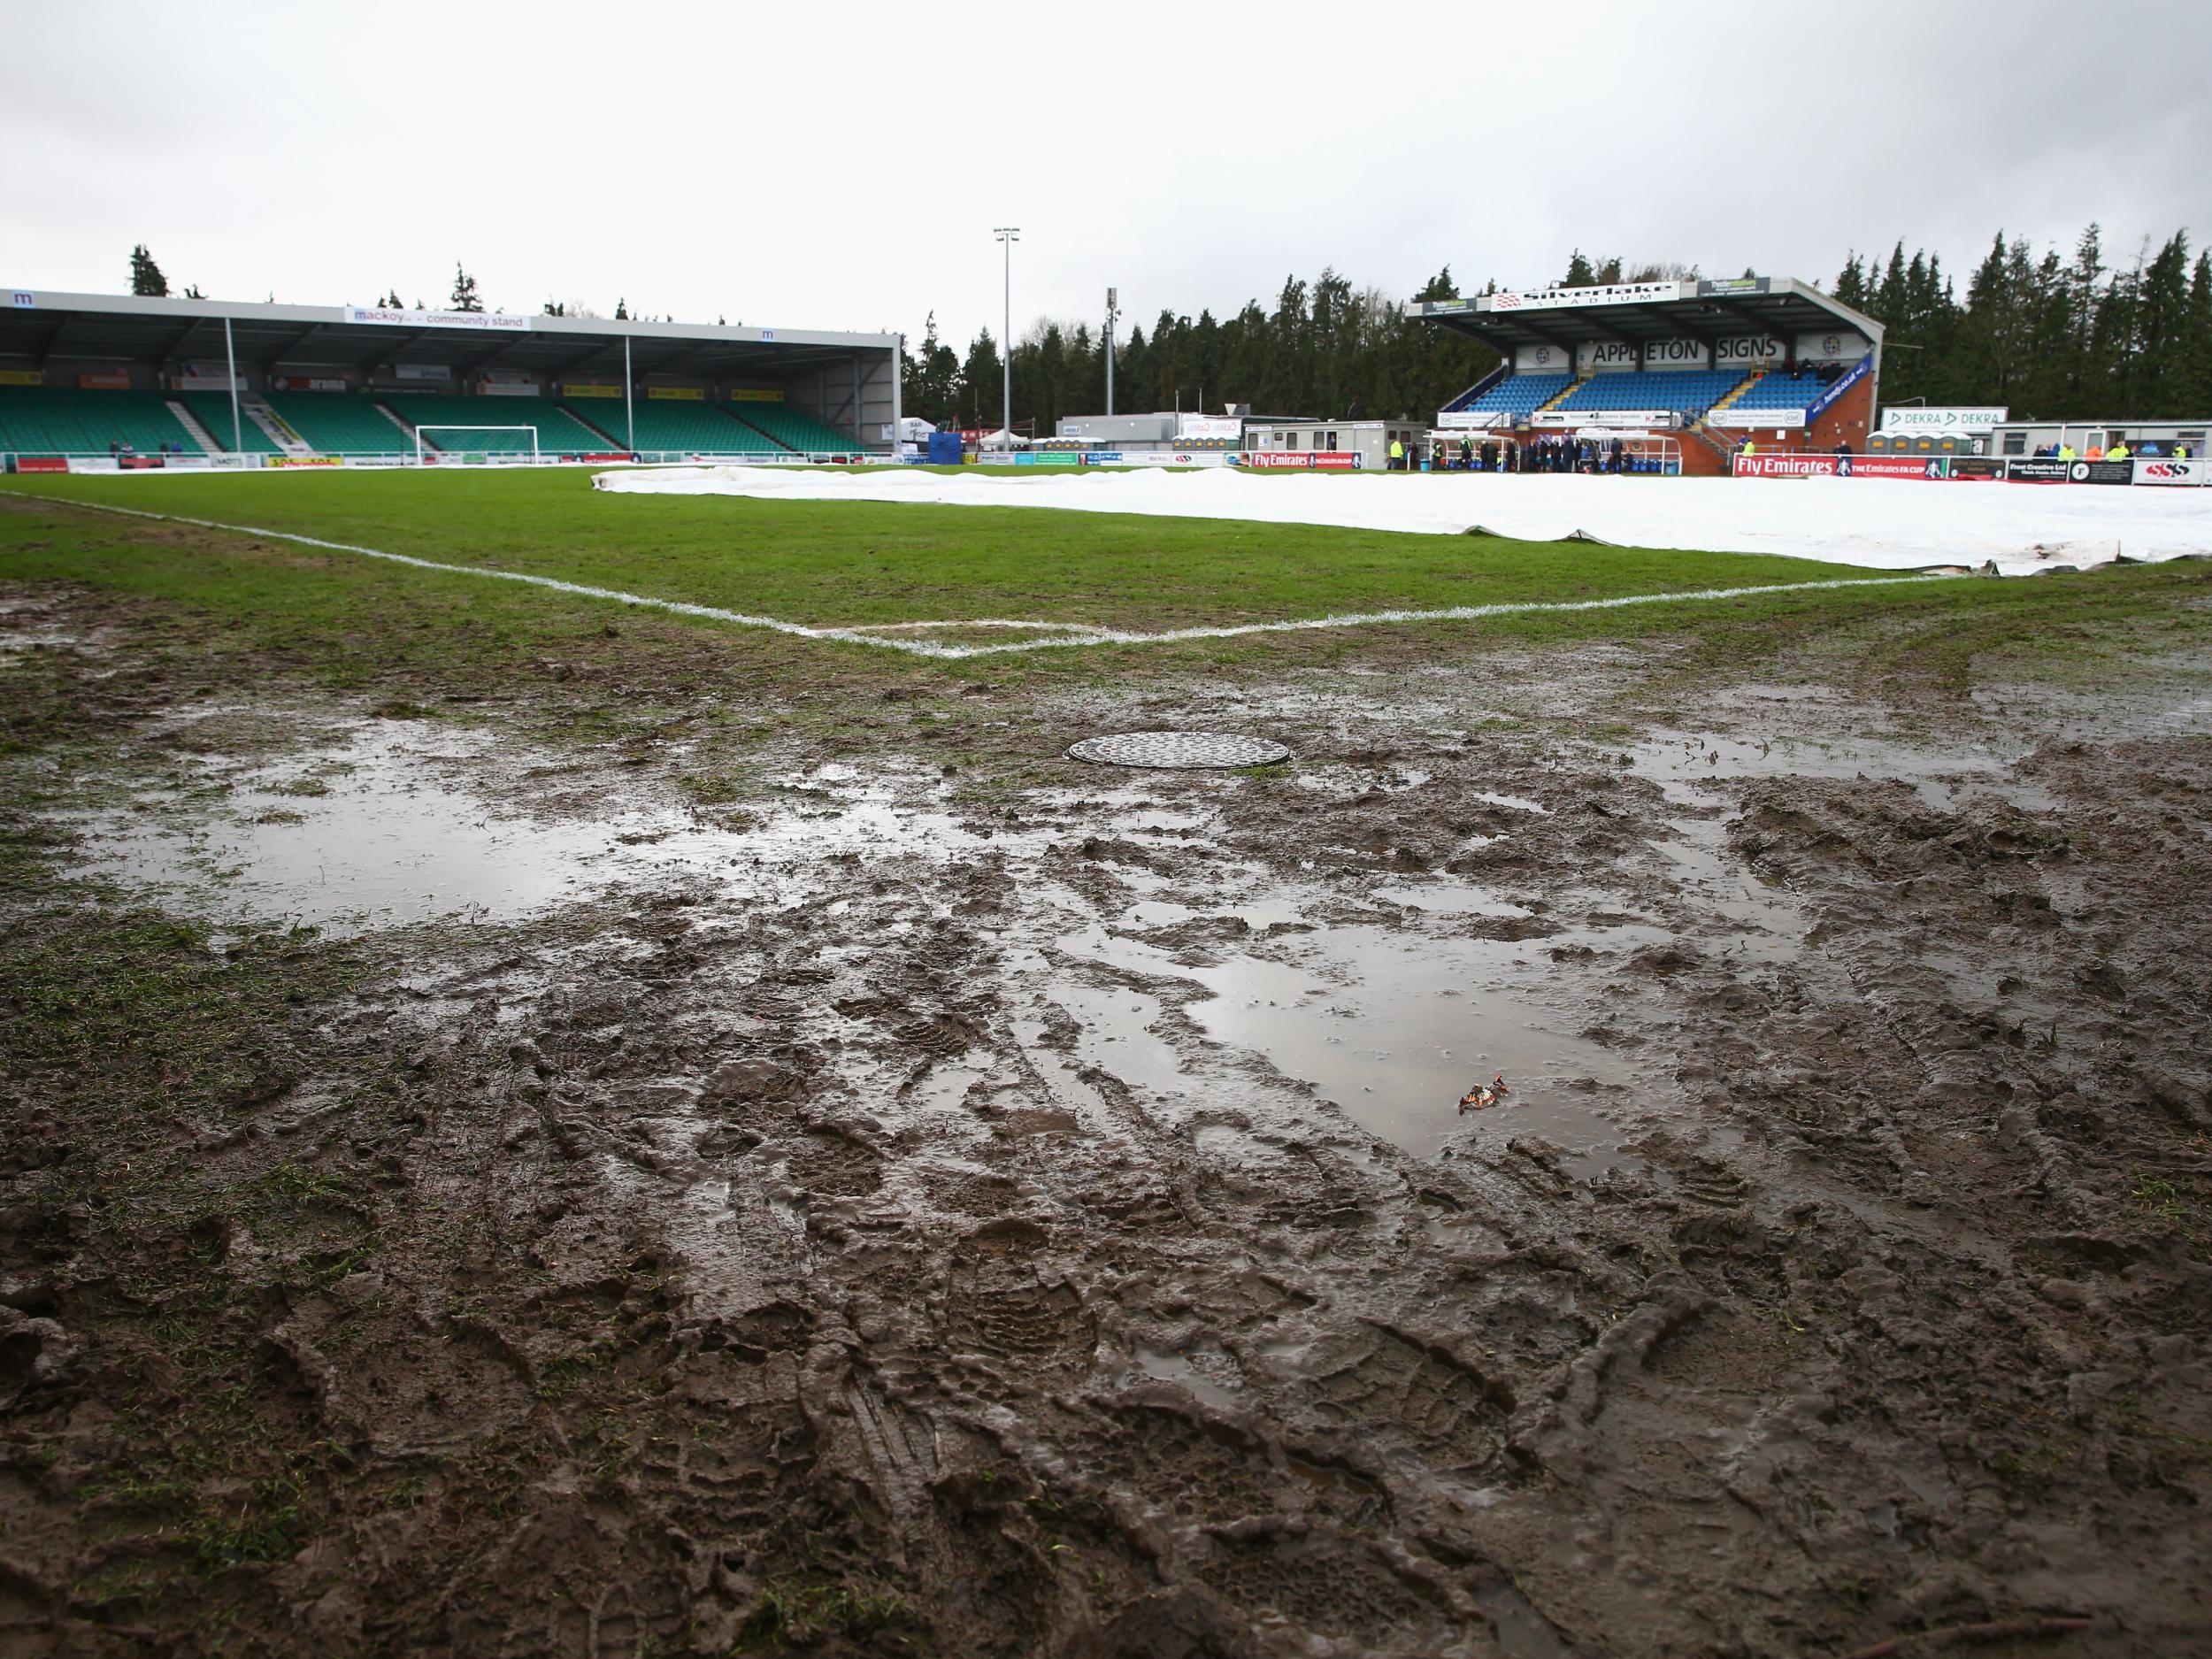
1485,1094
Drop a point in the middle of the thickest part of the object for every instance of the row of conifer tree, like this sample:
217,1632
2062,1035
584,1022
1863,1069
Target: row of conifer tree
2048,334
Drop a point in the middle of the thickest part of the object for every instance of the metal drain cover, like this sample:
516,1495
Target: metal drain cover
1183,750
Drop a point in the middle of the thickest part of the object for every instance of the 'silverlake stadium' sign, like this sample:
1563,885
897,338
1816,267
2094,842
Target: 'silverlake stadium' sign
399,317
1941,419
1606,294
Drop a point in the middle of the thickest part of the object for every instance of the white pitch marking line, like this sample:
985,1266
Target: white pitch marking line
1075,634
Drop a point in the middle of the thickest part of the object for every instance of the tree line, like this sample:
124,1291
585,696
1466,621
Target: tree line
2048,335
2051,335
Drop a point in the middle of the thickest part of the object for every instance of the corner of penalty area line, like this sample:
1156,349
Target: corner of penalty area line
1052,637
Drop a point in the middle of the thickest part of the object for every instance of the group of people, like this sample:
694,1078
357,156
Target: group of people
1575,455
1540,455
2149,451
1467,456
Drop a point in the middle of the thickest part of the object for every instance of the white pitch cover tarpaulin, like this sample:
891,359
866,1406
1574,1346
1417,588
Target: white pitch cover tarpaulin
1880,524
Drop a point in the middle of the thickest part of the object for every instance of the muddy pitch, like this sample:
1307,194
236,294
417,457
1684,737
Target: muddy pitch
534,1210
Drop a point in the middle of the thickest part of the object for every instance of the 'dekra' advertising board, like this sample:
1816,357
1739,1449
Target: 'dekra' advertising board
1932,421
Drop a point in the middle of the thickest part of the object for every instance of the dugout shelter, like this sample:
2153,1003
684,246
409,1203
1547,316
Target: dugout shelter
92,381
1711,361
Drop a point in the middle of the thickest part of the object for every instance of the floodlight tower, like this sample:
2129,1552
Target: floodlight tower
1007,236
1113,313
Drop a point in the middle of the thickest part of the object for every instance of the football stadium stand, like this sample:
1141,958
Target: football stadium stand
792,429
558,430
823,391
1784,389
670,426
1684,391
340,423
1687,355
1519,394
212,410
64,420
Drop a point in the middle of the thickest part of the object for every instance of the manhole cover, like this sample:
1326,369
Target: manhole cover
1181,749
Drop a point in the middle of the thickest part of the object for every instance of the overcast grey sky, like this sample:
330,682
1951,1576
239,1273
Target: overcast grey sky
843,166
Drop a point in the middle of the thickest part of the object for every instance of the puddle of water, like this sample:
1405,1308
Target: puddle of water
36,638
1393,1028
1259,916
1449,900
1518,804
1115,1037
1941,776
1767,922
385,828
2193,716
1207,1374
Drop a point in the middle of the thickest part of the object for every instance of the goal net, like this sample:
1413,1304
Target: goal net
514,440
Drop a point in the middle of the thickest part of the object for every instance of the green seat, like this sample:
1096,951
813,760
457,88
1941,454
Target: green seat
212,410
793,429
672,426
339,423
558,431
67,420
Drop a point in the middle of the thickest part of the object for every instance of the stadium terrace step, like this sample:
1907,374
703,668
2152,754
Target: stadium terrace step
1686,393
341,423
1559,398
191,422
791,429
611,430
1783,389
1735,392
212,410
1518,396
1467,399
257,409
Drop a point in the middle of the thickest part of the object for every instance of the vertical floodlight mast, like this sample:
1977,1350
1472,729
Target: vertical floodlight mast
1113,312
1007,236
230,363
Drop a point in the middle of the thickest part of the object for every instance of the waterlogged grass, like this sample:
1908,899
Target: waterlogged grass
871,562
349,622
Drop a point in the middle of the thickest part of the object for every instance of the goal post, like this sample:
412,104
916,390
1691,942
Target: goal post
423,458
